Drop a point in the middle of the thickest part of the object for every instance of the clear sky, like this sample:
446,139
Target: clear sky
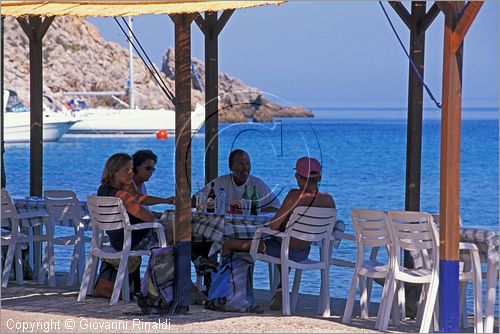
331,53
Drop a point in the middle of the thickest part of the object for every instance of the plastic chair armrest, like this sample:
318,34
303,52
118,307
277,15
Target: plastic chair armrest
344,236
468,245
32,214
270,231
142,226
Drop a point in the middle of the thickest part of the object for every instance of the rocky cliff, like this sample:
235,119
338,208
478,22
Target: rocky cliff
77,58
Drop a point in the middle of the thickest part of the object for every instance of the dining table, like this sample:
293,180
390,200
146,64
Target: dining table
487,241
217,227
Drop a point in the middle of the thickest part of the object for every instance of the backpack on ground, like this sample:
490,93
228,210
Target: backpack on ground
157,285
232,285
105,283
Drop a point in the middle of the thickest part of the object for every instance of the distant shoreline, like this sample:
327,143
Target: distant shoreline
393,113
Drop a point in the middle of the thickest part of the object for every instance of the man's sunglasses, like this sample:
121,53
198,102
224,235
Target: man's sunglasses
149,168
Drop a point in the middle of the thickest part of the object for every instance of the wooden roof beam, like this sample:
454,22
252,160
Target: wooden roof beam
429,17
465,21
221,22
403,13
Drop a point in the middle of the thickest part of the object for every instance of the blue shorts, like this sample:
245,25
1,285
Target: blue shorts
273,248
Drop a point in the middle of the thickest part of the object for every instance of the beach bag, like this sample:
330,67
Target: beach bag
232,285
157,285
105,283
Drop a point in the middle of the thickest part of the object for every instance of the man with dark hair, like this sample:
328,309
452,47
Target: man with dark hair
234,184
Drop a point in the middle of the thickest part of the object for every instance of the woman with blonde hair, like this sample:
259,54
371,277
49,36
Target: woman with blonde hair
115,182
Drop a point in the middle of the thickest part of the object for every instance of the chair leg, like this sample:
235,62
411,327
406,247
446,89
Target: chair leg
429,305
421,303
285,295
363,298
48,266
478,302
346,319
75,262
383,300
435,317
463,305
295,289
81,262
120,277
272,287
369,286
18,258
399,305
52,266
491,282
31,248
8,264
325,290
88,279
387,304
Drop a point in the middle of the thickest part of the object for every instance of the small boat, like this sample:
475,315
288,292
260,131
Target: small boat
17,121
132,121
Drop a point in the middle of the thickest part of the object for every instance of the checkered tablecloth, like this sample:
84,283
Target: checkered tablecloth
486,239
37,205
218,227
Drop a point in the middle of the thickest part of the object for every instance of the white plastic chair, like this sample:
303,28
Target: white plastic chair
64,209
13,237
470,271
412,231
372,232
308,224
107,214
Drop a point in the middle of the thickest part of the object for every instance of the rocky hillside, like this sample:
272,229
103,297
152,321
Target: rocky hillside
77,58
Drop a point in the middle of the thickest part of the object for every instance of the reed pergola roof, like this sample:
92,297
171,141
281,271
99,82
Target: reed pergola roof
122,8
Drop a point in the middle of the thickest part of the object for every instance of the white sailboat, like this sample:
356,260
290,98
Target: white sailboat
130,120
17,122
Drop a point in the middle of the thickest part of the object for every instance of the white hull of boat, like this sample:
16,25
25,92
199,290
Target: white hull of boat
17,127
132,121
17,124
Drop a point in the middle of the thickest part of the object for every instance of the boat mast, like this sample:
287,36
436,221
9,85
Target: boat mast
130,66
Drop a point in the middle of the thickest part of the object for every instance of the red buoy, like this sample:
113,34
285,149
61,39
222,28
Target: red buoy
162,134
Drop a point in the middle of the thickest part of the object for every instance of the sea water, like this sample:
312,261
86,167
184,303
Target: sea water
364,166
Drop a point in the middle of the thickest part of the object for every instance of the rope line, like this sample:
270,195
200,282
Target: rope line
438,104
150,67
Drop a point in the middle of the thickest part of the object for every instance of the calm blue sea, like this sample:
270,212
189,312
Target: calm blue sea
363,162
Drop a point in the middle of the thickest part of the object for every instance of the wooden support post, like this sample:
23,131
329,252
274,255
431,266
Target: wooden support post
182,226
211,26
415,106
35,29
2,125
449,203
211,97
414,127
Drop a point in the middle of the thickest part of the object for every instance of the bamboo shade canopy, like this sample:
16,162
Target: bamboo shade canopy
122,8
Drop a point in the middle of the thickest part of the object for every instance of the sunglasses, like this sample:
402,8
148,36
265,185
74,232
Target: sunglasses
149,168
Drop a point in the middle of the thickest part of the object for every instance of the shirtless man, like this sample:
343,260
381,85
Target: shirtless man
308,175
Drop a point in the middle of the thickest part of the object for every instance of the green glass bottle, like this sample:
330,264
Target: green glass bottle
255,202
246,201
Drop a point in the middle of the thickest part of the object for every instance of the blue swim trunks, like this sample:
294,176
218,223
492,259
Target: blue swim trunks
273,248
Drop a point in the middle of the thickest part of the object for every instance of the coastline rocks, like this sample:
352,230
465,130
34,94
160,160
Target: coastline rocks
77,58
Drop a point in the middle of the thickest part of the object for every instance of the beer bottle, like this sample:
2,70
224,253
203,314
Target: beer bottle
246,201
255,202
211,199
